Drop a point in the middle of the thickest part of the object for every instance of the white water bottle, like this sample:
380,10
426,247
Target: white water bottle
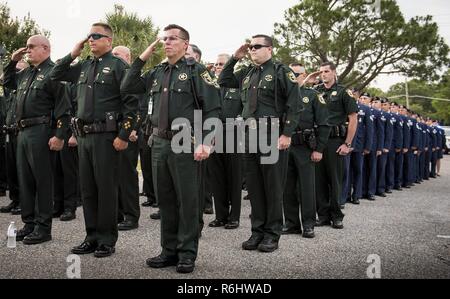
12,232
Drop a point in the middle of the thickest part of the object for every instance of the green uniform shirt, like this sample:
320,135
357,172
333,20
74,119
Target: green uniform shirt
231,103
10,105
274,78
107,94
314,114
181,99
44,96
340,103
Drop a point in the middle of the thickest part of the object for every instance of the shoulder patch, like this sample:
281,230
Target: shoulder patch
321,99
350,93
291,77
207,78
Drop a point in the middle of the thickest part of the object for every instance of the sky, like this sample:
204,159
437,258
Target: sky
215,26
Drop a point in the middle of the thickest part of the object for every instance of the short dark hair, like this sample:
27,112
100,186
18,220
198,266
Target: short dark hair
330,64
267,39
196,50
105,26
183,32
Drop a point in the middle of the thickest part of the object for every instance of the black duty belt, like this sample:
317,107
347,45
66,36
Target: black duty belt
10,130
164,134
31,122
96,128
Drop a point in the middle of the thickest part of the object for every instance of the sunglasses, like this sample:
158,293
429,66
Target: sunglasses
257,47
171,38
96,36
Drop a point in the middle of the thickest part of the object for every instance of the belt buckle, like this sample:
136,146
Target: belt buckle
22,123
253,124
86,129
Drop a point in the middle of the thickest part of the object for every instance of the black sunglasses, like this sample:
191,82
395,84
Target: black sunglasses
257,47
96,36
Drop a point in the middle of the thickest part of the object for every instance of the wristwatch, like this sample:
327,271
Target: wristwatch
349,145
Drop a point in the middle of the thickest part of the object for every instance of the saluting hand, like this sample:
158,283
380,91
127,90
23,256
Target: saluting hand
18,55
311,79
120,145
56,144
241,52
78,48
150,50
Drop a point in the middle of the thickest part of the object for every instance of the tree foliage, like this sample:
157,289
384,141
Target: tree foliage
363,42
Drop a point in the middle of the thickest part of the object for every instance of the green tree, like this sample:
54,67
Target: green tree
362,42
132,32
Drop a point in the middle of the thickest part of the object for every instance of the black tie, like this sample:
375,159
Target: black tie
253,93
21,103
89,98
163,122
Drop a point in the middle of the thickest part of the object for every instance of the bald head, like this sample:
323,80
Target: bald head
38,49
122,52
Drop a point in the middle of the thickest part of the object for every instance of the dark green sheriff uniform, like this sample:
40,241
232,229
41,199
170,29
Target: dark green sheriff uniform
225,169
277,94
99,118
67,187
175,176
42,105
11,132
129,208
311,135
330,171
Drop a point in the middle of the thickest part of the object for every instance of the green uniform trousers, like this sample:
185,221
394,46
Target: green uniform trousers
176,181
129,183
99,165
329,181
300,189
265,183
35,164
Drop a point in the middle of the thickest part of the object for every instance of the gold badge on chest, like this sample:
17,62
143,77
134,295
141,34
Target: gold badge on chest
183,77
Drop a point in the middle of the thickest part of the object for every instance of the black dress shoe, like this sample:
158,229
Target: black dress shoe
16,211
388,191
104,251
162,261
84,248
8,208
232,225
338,224
381,194
208,211
252,243
371,198
217,223
291,231
342,207
2,193
398,188
320,223
127,225
68,216
268,245
156,216
36,238
21,234
308,233
247,197
185,266
57,214
147,204
155,205
356,201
